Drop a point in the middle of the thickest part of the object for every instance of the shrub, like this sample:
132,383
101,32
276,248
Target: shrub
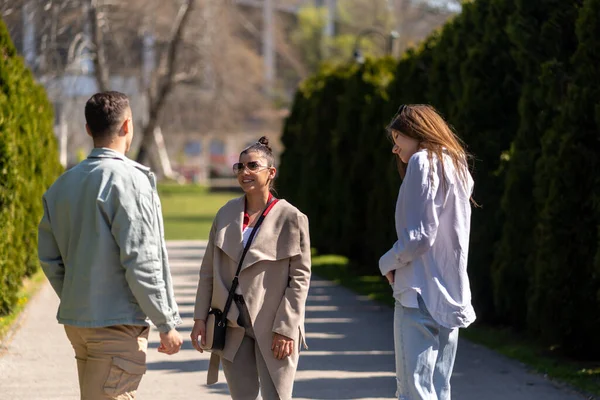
28,165
564,306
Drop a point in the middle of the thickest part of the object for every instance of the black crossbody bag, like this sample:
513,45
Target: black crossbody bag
216,322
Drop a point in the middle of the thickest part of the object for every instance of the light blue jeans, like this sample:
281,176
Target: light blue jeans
425,353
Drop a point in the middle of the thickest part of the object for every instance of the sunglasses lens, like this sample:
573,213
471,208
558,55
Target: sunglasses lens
253,165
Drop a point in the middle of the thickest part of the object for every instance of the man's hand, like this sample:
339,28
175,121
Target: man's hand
198,333
282,346
170,342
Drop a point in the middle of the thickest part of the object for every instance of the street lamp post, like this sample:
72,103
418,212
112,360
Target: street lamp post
389,42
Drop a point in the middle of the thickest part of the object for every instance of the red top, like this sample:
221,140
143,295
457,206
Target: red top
247,217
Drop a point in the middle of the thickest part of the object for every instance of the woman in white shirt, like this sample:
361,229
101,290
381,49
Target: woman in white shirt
427,266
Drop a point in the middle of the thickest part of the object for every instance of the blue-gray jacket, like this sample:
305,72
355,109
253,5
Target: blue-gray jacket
101,245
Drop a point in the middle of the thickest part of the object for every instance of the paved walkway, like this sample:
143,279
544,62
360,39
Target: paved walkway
350,355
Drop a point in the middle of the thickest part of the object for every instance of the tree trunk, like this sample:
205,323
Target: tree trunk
167,81
144,155
97,38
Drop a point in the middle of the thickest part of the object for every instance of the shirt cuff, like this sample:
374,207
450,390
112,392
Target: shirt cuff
167,327
388,262
287,332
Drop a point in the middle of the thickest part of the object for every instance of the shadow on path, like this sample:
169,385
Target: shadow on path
350,356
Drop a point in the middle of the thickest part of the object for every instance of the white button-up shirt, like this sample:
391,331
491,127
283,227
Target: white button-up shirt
430,256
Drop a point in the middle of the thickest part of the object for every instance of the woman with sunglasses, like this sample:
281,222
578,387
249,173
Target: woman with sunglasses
265,324
427,266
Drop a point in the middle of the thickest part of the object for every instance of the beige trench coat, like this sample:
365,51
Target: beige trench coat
274,281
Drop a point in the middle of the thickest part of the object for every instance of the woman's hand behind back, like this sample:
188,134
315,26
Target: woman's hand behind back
282,346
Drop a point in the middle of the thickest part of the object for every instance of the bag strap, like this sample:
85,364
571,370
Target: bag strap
235,282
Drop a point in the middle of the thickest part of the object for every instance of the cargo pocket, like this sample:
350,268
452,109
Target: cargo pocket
124,377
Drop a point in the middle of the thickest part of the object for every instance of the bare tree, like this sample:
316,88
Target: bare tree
97,39
165,79
207,75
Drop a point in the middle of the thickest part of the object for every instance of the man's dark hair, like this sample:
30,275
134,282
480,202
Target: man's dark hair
104,113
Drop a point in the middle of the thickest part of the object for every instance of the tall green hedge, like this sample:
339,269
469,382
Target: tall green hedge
543,36
311,125
483,111
566,283
518,81
28,165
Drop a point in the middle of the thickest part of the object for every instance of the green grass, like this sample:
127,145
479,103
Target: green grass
583,376
29,288
189,210
335,268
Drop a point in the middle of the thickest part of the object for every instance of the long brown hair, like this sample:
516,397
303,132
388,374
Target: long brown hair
424,124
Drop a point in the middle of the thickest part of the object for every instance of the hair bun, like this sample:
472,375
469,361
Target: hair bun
265,142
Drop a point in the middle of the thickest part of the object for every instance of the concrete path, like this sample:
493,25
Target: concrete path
350,356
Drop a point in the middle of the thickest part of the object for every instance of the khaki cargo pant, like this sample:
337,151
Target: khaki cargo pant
110,361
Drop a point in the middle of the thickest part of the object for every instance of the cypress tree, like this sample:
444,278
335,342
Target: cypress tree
564,309
28,165
543,34
484,114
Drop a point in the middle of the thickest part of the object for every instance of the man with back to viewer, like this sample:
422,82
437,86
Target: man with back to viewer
102,247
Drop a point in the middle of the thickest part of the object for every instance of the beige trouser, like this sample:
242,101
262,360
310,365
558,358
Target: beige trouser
248,367
110,361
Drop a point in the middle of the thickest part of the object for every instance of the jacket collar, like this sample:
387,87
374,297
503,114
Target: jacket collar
103,152
277,238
